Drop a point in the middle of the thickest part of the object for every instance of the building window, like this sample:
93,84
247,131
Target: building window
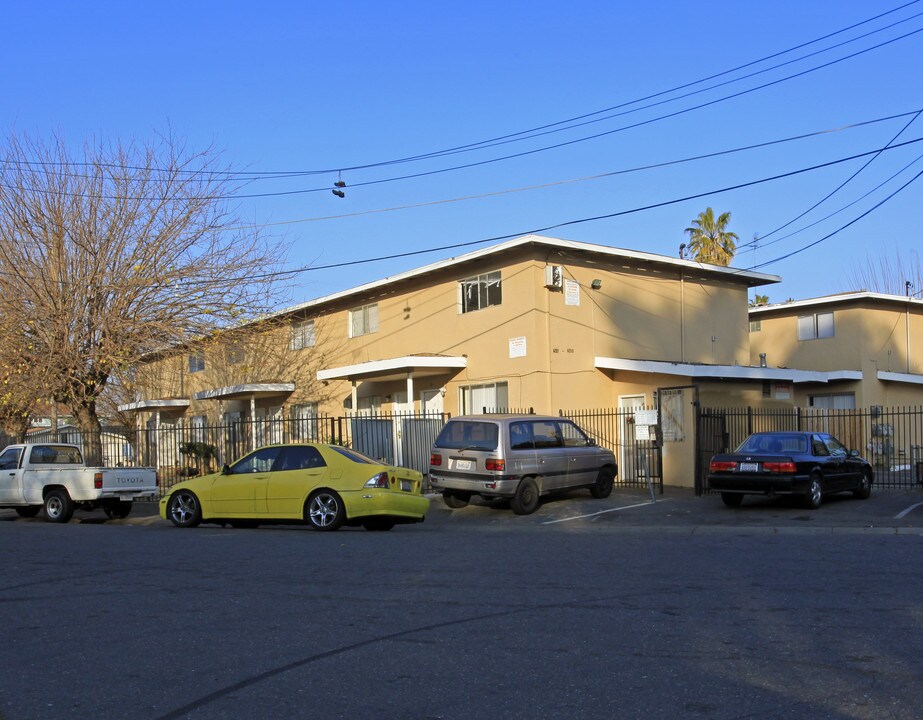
478,398
197,428
302,335
815,327
480,292
839,401
196,361
755,325
304,422
363,320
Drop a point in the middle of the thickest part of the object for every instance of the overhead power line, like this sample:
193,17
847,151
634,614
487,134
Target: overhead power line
567,223
598,176
569,122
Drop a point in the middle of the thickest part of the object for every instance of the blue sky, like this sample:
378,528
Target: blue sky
302,86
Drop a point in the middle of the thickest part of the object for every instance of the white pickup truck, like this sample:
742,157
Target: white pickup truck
54,476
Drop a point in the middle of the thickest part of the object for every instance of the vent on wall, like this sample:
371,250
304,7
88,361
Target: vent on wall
554,276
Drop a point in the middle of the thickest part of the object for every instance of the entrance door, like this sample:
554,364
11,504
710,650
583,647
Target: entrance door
630,467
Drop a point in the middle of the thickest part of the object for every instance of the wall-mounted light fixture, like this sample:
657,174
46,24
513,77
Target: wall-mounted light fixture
596,284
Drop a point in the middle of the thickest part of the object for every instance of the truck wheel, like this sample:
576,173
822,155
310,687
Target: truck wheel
28,511
184,509
526,499
59,508
118,510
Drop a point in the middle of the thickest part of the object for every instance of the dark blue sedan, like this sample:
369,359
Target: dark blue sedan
809,464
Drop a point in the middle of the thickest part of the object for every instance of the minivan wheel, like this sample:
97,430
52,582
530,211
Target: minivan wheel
602,488
526,499
455,500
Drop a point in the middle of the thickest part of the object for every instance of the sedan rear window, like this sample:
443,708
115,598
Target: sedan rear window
469,435
774,443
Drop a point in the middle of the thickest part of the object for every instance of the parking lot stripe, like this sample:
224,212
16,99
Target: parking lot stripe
907,510
601,512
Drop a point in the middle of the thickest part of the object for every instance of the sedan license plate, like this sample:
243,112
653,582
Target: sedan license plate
463,464
406,486
749,467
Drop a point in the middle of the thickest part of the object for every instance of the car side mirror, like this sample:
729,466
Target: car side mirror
226,470
853,453
592,442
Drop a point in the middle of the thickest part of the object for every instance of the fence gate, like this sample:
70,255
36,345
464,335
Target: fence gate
712,438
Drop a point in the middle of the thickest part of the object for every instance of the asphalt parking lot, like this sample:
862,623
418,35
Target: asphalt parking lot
676,510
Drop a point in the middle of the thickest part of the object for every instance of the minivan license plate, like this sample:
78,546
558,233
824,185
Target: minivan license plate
462,464
749,467
406,486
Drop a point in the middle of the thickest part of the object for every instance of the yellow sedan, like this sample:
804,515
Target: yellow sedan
325,486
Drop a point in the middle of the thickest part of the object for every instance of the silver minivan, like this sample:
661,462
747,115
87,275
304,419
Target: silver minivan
520,457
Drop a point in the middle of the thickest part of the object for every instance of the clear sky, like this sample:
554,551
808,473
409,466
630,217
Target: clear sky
306,86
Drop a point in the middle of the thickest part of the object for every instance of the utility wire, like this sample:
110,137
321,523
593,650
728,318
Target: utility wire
839,230
589,178
836,189
848,205
535,231
525,134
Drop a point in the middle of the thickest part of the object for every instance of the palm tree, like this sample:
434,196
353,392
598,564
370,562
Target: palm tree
709,240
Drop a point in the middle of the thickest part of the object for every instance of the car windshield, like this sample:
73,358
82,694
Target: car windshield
469,435
774,443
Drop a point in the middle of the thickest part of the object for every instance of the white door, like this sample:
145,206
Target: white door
431,402
629,457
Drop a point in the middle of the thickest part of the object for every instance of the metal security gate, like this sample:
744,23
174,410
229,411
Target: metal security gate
640,459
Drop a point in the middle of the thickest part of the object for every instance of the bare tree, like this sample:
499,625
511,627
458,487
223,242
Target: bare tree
120,250
891,272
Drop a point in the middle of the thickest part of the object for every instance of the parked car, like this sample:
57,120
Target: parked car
520,457
810,464
325,486
54,476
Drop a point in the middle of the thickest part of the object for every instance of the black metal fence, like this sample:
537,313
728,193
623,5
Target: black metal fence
637,451
889,438
184,450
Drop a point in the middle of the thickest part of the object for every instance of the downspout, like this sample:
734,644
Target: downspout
907,323
682,317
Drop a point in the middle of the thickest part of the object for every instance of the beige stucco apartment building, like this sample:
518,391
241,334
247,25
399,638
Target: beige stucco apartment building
869,344
532,323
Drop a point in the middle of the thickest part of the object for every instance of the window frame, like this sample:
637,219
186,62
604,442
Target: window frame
196,361
302,335
815,326
485,297
366,318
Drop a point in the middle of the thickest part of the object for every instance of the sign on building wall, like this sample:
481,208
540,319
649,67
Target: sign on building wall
517,347
571,292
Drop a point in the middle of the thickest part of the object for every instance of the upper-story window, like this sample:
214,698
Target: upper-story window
480,292
815,327
302,335
196,361
755,325
363,320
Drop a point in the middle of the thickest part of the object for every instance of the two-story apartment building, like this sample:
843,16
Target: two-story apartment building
533,322
869,345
